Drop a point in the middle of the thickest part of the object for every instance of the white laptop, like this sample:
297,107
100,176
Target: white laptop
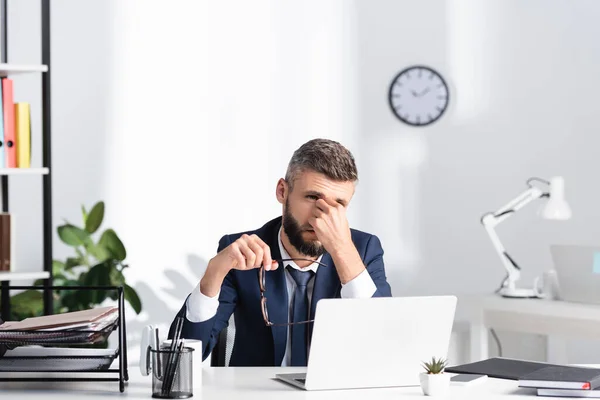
376,342
577,272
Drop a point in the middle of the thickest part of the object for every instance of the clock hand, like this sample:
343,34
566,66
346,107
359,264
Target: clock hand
424,91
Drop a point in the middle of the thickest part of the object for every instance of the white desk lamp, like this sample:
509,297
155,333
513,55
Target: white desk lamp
556,208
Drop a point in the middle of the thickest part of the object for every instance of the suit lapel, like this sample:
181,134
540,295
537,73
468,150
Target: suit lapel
277,299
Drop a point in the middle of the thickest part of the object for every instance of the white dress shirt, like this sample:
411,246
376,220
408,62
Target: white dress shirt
200,308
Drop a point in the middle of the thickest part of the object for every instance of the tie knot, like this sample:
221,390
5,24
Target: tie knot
300,277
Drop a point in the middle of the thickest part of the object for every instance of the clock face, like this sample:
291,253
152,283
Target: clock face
418,96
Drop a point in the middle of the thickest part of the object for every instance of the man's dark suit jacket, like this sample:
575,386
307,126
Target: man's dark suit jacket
255,343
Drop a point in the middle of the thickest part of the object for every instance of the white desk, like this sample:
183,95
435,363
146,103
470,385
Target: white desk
555,319
248,384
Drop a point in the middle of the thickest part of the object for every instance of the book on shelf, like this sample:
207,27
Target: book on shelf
2,146
23,134
8,110
7,242
15,128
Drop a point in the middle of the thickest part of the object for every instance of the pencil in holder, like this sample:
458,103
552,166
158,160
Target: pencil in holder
172,373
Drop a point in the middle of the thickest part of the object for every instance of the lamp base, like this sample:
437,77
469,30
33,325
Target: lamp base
519,293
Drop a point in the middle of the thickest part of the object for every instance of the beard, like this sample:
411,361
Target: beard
291,227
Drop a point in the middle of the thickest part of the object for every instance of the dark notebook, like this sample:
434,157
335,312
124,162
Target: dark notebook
498,367
562,377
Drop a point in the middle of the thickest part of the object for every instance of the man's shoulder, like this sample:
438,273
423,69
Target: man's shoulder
263,232
359,236
367,244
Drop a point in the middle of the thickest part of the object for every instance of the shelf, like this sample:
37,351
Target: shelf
11,69
15,276
23,171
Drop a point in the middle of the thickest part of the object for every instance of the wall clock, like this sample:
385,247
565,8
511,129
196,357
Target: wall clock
418,95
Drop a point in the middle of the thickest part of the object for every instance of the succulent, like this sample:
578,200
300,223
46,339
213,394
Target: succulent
435,366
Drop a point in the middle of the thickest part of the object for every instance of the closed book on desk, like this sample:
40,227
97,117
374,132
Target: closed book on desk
568,393
500,367
562,377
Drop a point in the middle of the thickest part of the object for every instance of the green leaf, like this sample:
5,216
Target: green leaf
71,302
95,217
66,300
59,280
73,262
84,214
99,252
98,275
132,298
57,267
73,236
116,277
81,256
27,304
435,366
113,244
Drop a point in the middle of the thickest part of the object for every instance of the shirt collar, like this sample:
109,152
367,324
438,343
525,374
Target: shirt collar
284,254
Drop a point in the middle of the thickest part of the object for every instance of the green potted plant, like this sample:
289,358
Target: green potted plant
96,261
434,382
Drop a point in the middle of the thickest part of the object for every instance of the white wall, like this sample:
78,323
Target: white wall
524,84
183,117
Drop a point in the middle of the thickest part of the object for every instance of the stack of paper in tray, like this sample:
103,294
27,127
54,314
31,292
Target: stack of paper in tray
92,319
87,326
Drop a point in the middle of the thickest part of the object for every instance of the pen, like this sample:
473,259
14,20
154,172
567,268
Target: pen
168,373
174,368
158,357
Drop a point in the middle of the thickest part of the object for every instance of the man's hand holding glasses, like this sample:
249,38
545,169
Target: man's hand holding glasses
247,252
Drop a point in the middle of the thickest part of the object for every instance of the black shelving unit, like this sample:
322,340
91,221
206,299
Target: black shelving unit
73,336
70,337
46,155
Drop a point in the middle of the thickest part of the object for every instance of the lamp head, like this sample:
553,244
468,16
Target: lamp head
557,207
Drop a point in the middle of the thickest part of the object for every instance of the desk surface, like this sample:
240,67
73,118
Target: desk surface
246,383
553,318
548,308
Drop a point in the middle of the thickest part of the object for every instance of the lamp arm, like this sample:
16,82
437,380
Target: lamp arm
531,194
512,268
491,220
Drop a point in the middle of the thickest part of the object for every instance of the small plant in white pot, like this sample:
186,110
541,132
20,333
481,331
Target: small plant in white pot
434,382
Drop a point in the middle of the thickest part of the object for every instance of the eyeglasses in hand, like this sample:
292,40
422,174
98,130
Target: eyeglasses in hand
263,288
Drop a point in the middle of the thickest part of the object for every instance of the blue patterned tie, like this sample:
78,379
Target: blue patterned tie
299,333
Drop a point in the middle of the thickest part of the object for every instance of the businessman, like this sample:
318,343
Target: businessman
293,261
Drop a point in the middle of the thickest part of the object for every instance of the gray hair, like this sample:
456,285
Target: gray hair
324,156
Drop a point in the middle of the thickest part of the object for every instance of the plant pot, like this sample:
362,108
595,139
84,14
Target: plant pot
434,384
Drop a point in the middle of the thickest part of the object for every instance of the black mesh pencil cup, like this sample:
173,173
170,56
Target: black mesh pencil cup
172,373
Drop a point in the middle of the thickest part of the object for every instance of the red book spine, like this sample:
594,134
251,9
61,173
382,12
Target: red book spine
8,104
